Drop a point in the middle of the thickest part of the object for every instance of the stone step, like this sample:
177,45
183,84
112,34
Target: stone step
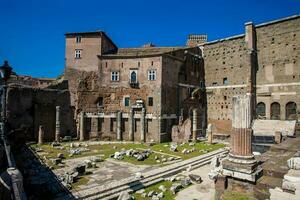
150,178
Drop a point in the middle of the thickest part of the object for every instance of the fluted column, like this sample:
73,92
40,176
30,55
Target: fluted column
241,136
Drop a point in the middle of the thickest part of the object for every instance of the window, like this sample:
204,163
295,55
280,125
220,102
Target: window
291,111
225,98
275,110
151,75
133,76
100,101
214,83
126,101
114,76
261,110
78,39
150,101
225,81
77,53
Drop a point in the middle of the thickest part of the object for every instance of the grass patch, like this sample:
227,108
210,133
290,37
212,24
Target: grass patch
107,149
230,195
198,146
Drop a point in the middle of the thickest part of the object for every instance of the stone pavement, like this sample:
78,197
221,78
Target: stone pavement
202,191
106,172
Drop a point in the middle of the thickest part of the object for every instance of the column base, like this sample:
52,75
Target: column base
242,170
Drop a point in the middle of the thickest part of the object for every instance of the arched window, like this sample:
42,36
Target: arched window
261,110
275,110
291,111
133,77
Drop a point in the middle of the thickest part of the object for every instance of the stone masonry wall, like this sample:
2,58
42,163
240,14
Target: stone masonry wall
28,108
278,76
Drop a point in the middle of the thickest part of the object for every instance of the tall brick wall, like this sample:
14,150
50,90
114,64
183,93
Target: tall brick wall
278,76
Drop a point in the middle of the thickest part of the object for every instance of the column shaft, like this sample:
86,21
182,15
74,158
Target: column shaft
119,122
82,126
57,124
131,124
143,125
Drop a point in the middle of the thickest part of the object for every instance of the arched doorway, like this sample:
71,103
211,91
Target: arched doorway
261,110
291,111
275,111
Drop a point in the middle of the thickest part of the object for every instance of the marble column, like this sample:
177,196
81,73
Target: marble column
81,126
194,127
143,117
241,136
241,163
119,128
131,124
57,124
41,135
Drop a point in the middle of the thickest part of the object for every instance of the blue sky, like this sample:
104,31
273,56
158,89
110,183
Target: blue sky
32,31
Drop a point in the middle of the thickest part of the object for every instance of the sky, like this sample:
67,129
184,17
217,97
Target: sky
32,31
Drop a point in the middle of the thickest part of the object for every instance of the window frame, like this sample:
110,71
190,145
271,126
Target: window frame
78,53
124,101
150,102
136,75
115,76
78,39
151,74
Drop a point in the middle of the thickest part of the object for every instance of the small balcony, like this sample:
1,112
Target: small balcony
134,84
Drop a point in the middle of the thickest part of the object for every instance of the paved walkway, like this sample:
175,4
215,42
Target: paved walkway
202,191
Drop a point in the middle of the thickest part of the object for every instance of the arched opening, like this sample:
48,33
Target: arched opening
133,77
291,111
261,110
275,111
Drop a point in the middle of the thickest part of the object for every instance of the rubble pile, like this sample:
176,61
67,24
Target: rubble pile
138,155
179,183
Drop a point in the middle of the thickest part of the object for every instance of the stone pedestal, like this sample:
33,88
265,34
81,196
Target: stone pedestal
195,127
241,163
41,135
57,124
131,125
119,130
143,118
82,127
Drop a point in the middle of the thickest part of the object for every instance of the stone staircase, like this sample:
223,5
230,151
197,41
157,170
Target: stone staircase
113,190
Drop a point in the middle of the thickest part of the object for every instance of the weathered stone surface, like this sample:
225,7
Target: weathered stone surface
294,163
195,178
175,188
125,196
162,188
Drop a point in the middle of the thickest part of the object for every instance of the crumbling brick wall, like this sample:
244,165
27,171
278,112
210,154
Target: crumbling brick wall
28,108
